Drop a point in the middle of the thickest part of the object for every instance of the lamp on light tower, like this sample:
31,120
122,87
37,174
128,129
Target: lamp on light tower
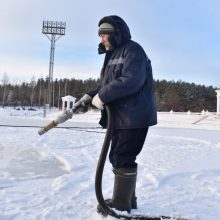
54,30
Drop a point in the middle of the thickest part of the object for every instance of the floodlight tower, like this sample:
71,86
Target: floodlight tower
54,30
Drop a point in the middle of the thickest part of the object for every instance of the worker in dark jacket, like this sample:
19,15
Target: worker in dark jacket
126,86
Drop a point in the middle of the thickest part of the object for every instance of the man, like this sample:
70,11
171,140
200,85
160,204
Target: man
126,86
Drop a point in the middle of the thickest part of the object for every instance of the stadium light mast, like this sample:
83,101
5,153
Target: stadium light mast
54,30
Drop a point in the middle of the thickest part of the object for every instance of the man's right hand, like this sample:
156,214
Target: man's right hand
83,103
78,106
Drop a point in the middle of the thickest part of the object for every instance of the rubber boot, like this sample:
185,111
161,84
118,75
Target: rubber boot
134,200
125,180
123,198
133,197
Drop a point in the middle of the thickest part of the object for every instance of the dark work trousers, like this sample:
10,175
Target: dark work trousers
125,146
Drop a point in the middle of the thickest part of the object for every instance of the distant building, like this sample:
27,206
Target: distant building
68,102
218,102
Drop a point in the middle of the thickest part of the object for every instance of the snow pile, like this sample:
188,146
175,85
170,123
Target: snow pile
51,177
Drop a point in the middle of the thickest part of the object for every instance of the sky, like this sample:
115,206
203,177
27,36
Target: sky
180,37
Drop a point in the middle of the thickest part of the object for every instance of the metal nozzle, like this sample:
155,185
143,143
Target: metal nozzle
41,131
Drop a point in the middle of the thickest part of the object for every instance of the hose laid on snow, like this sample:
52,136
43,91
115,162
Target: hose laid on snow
101,164
99,174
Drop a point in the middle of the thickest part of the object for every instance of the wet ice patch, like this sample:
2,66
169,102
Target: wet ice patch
31,164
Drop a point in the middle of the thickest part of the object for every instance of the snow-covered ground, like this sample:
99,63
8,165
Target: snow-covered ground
51,177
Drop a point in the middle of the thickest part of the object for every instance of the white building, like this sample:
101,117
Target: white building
218,102
68,102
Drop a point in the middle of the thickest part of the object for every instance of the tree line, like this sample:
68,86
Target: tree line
170,95
182,96
35,92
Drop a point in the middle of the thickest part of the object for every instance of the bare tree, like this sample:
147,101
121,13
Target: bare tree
39,95
5,81
32,84
65,88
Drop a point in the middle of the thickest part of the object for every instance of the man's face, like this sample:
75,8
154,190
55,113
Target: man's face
105,41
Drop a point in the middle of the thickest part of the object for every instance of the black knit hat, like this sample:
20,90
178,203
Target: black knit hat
106,28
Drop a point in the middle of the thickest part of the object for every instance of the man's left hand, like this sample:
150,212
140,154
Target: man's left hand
97,102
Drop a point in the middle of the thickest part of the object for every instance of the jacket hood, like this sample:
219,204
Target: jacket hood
122,32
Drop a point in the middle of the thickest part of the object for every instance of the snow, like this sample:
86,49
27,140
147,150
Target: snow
51,177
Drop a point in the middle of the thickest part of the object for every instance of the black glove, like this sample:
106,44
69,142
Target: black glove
82,104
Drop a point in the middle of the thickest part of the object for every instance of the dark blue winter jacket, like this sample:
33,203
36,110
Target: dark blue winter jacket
126,81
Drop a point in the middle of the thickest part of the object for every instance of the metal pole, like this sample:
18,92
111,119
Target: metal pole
50,81
52,28
58,104
39,97
53,92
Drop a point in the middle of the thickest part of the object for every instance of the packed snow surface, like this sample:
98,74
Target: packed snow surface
51,177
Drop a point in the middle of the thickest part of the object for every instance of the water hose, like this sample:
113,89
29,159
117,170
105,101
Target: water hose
100,166
99,174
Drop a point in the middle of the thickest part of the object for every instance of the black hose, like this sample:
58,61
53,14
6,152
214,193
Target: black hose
99,174
101,163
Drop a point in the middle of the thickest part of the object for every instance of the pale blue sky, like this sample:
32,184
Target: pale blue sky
181,37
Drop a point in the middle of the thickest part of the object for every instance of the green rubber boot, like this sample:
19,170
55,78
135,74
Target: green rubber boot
123,198
134,200
124,186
